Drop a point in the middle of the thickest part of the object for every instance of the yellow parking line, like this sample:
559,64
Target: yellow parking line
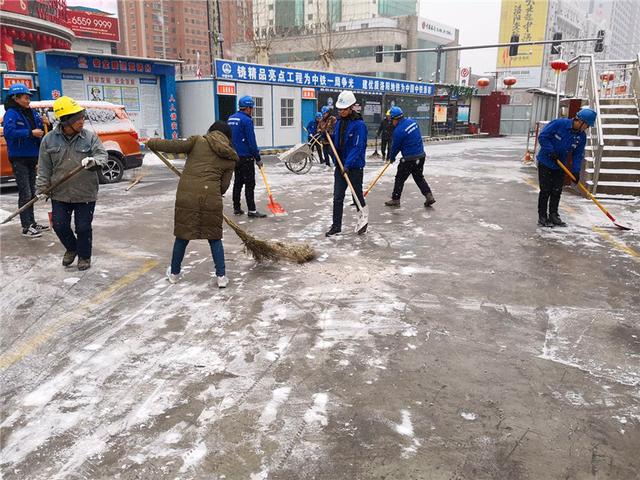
617,244
38,340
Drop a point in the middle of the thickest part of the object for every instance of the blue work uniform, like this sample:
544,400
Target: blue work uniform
407,140
243,138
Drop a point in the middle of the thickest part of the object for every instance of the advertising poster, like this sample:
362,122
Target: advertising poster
463,113
440,114
528,20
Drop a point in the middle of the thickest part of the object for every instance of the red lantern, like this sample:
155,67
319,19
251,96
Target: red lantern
607,76
12,33
22,35
483,82
30,36
559,66
509,81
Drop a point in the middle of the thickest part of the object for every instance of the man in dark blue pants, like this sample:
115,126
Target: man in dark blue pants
63,149
407,140
560,139
243,137
350,140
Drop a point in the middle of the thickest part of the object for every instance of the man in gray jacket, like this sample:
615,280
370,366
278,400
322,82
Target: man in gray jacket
66,147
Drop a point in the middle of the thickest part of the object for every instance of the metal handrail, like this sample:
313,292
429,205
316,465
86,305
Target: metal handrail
635,84
597,143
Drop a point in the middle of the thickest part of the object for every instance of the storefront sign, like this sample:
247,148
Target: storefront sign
226,88
309,93
104,64
9,80
90,25
254,73
15,6
436,29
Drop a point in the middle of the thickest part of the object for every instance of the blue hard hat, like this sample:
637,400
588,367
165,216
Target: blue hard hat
246,101
318,115
588,116
18,89
325,109
395,112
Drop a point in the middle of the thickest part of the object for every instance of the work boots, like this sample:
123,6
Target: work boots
394,202
332,231
256,214
68,258
556,220
84,263
429,199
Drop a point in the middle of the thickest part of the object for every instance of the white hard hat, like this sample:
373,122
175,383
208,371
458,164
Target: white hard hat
345,99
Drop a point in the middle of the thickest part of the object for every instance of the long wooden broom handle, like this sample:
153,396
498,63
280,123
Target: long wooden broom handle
384,169
47,190
586,191
264,177
344,174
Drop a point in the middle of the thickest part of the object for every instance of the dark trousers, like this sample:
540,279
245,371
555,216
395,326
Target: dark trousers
315,146
340,187
384,146
180,247
406,168
83,216
328,154
551,182
245,175
24,169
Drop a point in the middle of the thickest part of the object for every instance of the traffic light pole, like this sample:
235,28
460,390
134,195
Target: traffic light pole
439,50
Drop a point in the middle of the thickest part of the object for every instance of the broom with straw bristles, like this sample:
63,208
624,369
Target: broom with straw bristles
259,249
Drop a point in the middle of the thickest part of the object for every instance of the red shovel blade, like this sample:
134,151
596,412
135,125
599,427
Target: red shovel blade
622,227
275,207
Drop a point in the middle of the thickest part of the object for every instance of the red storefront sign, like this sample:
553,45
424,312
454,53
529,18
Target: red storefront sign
309,93
16,6
9,80
90,25
226,88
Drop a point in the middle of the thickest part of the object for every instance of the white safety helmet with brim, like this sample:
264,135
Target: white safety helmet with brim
346,99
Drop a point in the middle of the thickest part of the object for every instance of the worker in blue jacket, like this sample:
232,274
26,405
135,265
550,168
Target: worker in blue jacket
350,140
407,140
562,139
243,137
23,131
313,139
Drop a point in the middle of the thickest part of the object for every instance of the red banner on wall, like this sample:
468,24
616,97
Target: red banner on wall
16,6
90,25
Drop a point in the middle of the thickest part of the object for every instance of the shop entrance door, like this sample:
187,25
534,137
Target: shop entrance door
226,106
308,114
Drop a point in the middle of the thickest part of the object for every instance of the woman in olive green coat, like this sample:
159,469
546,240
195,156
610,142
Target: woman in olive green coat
210,164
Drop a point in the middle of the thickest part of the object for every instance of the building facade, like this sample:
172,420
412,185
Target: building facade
31,26
349,46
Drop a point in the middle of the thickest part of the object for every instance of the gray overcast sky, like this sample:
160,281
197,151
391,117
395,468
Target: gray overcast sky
478,22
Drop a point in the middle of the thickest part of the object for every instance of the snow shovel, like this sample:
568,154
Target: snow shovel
590,195
362,220
375,154
274,206
384,169
79,168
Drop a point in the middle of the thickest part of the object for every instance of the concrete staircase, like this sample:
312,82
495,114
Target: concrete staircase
620,167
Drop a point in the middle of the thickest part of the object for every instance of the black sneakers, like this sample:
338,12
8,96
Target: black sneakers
332,231
429,200
31,231
392,203
238,211
256,214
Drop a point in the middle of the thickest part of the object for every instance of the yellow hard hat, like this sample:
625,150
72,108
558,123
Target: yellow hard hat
64,106
388,114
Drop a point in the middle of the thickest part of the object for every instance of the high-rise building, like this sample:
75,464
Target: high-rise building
232,22
620,19
168,29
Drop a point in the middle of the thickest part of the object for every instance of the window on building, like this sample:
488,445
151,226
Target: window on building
286,112
258,115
